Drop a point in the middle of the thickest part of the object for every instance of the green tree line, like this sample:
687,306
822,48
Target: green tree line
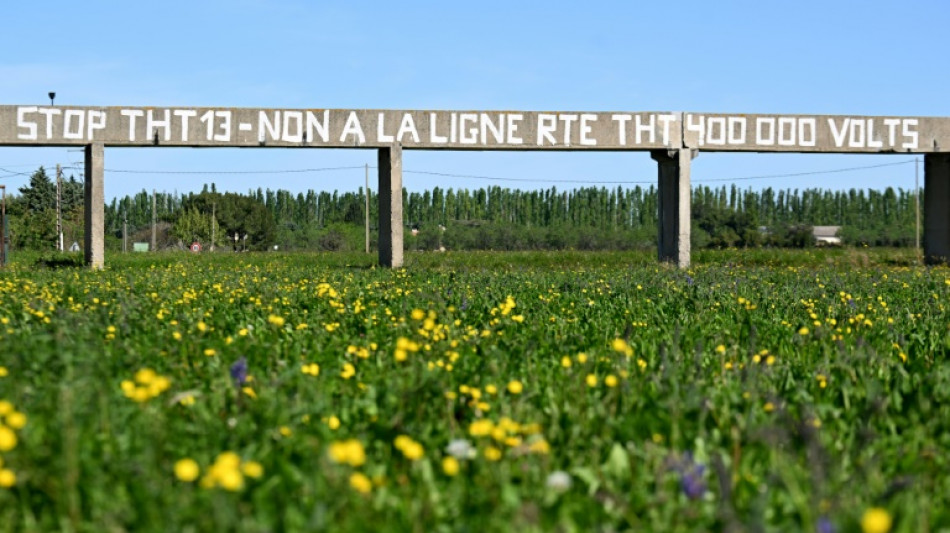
491,217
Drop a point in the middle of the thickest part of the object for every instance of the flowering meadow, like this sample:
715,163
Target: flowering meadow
796,391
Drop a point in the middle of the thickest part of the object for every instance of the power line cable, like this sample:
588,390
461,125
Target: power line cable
216,172
764,176
476,176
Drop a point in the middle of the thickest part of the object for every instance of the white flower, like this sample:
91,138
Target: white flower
460,449
559,481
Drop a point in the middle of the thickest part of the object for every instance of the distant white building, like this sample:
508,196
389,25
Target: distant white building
826,235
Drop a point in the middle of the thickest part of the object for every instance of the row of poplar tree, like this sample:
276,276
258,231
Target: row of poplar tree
492,217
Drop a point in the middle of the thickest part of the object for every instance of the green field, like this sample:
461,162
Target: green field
760,390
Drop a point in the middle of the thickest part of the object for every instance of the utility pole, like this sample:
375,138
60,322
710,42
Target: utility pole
213,205
3,225
59,208
125,226
917,202
154,236
366,196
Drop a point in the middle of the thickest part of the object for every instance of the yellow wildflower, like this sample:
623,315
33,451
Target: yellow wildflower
16,420
480,428
252,469
876,520
8,440
450,465
621,346
186,470
360,483
350,452
492,453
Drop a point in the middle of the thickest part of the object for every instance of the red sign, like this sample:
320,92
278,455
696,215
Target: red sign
196,247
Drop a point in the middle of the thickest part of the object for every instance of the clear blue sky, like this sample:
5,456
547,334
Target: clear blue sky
813,57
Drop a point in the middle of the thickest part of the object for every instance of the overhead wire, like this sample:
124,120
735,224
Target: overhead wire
11,173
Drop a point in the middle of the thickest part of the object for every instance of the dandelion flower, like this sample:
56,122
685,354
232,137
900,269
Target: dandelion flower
7,478
16,420
515,387
252,469
350,452
186,470
231,479
480,428
492,453
621,346
360,483
876,520
450,465
410,449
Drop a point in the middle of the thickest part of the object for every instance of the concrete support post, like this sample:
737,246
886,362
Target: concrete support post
390,206
674,204
95,216
936,212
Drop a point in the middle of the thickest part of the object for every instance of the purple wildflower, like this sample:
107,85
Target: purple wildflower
691,473
689,280
824,525
239,371
692,482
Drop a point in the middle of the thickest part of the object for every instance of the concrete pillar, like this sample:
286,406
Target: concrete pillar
674,205
937,208
95,215
390,206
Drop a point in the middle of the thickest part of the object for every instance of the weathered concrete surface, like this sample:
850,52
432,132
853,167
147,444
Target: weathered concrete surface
815,133
94,199
390,206
346,128
674,205
937,208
